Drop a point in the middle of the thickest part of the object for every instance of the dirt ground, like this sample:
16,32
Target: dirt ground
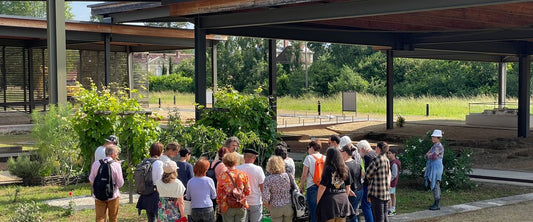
493,148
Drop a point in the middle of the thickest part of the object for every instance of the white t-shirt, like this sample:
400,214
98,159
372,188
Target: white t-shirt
172,189
157,170
99,153
256,176
310,163
164,158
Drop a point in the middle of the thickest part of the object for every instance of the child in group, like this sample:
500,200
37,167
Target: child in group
395,167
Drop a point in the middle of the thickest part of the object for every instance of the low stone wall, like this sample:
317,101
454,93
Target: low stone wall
496,120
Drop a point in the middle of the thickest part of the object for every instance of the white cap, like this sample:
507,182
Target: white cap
345,140
437,133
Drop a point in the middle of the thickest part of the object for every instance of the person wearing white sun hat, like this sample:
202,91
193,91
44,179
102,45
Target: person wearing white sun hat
434,167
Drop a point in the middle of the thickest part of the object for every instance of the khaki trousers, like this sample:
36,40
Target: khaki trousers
337,219
109,206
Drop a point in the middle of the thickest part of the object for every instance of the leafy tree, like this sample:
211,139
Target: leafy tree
349,80
321,74
242,63
235,113
30,8
321,50
185,67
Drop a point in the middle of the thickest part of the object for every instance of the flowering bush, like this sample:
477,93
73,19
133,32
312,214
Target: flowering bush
457,164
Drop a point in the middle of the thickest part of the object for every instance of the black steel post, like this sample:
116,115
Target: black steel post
524,76
427,109
200,57
390,92
319,107
272,78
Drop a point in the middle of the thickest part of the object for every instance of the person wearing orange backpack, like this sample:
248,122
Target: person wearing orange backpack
312,174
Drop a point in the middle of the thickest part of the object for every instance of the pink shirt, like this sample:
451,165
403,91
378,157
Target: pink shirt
116,171
221,168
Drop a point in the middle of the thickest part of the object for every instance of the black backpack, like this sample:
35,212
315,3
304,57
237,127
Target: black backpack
211,172
103,186
143,177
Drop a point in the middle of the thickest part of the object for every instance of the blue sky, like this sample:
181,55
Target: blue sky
80,10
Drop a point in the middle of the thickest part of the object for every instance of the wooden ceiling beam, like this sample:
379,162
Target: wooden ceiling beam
213,6
364,23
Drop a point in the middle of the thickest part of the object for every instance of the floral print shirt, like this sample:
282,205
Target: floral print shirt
276,190
224,186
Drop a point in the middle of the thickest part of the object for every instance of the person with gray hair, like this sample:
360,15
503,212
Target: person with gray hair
232,144
368,155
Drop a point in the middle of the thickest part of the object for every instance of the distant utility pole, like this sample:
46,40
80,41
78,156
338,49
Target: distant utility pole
306,74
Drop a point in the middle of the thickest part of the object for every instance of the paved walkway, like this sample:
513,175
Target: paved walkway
86,202
462,208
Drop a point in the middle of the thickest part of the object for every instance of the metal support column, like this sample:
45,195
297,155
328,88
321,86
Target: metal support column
24,73
131,85
200,57
4,76
31,77
390,92
502,83
272,90
524,75
57,63
107,59
214,69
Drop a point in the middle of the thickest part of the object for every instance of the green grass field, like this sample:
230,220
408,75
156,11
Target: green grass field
440,107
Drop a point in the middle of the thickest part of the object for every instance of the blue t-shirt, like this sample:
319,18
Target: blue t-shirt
185,172
197,192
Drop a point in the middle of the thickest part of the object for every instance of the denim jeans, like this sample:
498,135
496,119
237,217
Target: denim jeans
365,206
202,215
355,202
312,192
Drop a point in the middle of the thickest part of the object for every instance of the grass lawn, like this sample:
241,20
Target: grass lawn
127,212
439,107
411,197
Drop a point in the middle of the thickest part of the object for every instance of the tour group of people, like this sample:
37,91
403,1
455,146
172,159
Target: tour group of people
344,182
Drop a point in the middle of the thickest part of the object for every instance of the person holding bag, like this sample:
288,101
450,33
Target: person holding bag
277,191
229,183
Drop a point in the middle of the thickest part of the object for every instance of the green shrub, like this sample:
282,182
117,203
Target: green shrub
400,121
201,139
56,142
174,82
243,115
457,165
27,212
24,168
